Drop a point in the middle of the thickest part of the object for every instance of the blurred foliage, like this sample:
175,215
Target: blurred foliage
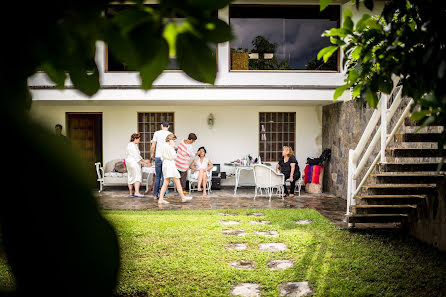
408,41
54,236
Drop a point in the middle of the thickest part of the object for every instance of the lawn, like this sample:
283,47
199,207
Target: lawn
184,253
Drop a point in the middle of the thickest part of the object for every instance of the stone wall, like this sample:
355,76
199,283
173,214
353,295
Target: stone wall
342,126
429,225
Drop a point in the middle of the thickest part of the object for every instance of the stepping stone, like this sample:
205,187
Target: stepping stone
246,290
237,246
280,264
230,222
295,289
267,233
304,222
228,214
272,247
256,214
234,232
243,264
260,222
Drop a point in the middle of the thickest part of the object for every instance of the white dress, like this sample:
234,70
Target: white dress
199,165
132,163
168,156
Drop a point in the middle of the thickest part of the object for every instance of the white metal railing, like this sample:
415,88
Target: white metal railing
384,115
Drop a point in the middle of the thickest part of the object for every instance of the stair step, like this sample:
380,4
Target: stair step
417,137
400,189
390,199
412,152
409,122
411,167
391,196
383,209
400,186
377,218
408,178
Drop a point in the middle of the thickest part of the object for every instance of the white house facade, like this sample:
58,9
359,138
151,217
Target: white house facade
253,111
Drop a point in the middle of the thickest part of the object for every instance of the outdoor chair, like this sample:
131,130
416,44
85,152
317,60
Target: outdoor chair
193,183
107,177
266,178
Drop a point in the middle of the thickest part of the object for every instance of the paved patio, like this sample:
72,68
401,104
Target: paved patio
332,207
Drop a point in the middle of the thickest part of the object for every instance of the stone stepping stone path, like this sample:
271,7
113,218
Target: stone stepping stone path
230,222
237,246
246,290
280,264
304,222
272,247
234,232
295,289
292,289
260,222
270,233
256,214
243,265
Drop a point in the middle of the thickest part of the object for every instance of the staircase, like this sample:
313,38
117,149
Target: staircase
401,178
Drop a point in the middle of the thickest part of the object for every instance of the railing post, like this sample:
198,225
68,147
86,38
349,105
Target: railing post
351,183
384,100
351,172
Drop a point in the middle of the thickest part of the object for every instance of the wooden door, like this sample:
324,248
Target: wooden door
85,133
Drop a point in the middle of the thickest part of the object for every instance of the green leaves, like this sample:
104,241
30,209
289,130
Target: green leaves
326,52
154,67
196,58
324,4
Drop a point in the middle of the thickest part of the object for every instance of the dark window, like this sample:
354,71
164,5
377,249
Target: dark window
276,129
148,124
281,37
113,65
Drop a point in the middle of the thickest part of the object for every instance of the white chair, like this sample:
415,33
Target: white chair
266,178
107,177
193,183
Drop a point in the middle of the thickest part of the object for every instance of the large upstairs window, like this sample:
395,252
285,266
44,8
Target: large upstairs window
281,37
111,64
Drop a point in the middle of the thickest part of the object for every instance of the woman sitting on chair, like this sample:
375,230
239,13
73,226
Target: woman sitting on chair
289,167
199,167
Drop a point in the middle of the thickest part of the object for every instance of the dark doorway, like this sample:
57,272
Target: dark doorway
85,133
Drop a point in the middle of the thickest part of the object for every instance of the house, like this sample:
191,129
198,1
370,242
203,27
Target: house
269,91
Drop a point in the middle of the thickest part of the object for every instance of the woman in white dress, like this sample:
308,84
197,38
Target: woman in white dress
133,166
200,166
170,170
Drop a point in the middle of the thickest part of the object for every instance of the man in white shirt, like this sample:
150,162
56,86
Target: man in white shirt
159,139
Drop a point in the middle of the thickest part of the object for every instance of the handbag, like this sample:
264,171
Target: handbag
120,167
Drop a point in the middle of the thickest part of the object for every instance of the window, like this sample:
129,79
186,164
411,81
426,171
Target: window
276,129
111,64
148,124
281,37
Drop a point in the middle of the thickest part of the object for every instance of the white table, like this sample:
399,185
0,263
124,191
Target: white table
238,169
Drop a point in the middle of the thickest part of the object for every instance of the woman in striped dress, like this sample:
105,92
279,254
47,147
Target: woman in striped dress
182,161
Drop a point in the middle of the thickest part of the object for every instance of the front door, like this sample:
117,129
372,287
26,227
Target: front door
85,133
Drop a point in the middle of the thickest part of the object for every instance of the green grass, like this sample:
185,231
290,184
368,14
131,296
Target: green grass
183,253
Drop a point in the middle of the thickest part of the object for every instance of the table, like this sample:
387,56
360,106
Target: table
238,169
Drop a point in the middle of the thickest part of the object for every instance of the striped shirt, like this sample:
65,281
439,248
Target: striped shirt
184,153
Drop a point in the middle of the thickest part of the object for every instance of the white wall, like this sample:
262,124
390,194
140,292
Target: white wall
234,134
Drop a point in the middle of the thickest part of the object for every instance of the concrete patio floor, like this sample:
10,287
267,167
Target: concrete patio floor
117,198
